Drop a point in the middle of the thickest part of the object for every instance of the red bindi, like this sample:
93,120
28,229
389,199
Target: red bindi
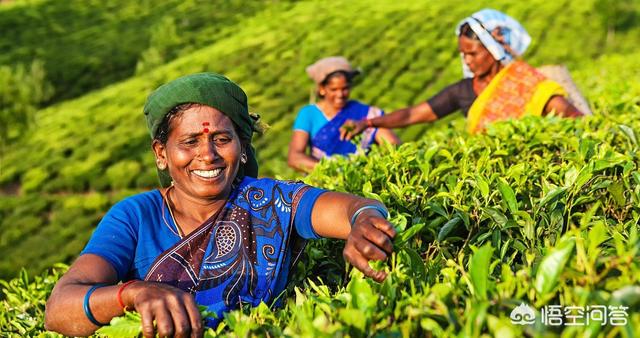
205,129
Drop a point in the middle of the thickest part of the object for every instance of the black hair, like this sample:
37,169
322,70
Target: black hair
466,31
162,135
347,75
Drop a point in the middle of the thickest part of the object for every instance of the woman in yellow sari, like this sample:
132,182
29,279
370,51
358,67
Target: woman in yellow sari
496,85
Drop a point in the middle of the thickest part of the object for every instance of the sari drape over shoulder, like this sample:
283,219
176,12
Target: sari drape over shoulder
242,254
327,141
517,90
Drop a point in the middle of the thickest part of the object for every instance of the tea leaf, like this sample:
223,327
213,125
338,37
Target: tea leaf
483,186
479,269
552,265
629,133
496,216
129,325
448,227
508,195
617,192
407,234
552,196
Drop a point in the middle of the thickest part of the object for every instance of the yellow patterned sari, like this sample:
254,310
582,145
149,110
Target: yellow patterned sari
517,90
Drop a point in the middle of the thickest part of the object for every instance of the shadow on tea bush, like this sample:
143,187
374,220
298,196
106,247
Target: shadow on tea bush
123,174
33,179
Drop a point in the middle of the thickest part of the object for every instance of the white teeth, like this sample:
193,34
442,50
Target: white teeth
208,173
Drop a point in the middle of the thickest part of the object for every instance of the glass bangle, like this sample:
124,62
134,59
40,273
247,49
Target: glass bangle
87,308
378,208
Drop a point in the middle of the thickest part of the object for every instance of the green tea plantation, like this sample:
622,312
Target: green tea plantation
529,229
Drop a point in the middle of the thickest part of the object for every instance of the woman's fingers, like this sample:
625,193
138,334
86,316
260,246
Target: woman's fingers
344,130
369,250
351,128
376,230
381,240
370,239
148,330
168,311
362,264
181,319
385,226
197,328
164,322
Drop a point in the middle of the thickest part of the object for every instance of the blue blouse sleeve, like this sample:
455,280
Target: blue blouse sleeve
115,237
302,220
303,120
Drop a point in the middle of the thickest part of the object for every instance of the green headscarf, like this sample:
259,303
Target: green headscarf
213,90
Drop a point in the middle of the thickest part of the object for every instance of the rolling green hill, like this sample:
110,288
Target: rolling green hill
87,45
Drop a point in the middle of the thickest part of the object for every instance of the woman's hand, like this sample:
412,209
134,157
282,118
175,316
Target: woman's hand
174,311
352,128
370,239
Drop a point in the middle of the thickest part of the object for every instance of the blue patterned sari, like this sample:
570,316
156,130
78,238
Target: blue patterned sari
327,141
242,254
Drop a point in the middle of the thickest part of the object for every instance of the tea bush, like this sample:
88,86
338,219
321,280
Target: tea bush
22,91
540,211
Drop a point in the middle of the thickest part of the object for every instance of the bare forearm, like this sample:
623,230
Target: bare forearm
397,119
332,215
301,162
361,223
64,310
65,314
406,117
560,105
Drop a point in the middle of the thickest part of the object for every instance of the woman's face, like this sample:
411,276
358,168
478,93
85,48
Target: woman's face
336,91
475,56
202,153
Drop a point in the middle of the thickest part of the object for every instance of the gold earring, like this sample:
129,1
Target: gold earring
161,166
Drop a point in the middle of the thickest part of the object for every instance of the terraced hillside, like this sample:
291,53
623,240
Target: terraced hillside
84,154
87,45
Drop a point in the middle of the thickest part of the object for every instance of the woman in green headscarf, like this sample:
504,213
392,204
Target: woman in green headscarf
213,235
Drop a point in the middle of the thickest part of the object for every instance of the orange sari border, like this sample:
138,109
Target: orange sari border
517,90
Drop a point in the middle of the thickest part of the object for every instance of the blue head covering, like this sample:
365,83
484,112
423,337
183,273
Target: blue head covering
514,35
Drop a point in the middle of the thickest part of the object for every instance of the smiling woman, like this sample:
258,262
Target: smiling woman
203,156
317,125
497,85
214,234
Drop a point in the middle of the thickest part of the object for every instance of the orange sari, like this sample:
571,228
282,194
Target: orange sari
517,90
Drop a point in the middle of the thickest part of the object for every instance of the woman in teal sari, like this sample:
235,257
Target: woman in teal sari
316,131
214,234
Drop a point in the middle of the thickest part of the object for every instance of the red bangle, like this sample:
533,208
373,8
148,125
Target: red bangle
119,296
369,123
